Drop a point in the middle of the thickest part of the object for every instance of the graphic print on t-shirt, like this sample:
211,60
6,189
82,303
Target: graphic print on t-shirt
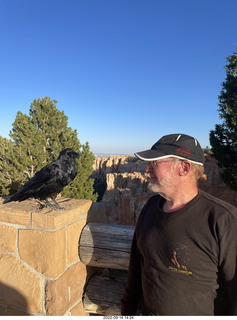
179,259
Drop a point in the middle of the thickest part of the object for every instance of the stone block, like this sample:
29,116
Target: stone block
19,286
44,251
54,219
63,293
73,235
14,312
79,310
17,212
29,212
7,239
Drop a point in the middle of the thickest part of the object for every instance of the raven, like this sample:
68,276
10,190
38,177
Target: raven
50,180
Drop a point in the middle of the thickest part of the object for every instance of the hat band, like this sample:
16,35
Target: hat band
167,156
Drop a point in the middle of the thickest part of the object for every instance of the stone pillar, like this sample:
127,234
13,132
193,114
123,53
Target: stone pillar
40,271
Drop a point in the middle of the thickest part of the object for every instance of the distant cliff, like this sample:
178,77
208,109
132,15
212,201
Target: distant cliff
111,165
121,182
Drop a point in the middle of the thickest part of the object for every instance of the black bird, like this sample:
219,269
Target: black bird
50,180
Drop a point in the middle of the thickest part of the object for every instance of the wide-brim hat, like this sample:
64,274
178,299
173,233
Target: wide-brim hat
176,145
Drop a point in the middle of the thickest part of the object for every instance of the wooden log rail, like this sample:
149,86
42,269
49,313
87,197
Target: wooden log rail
105,246
103,295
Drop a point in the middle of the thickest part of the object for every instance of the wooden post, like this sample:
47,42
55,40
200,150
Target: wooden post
106,245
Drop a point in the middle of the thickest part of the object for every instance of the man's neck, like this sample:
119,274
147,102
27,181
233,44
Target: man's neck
179,200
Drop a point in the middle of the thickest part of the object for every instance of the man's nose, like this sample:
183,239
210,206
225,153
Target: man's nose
148,167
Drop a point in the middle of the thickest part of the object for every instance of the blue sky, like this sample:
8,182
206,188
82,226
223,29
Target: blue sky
125,72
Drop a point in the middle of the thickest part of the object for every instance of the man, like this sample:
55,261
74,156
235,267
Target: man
183,258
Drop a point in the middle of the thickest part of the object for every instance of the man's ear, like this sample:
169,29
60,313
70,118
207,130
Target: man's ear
185,168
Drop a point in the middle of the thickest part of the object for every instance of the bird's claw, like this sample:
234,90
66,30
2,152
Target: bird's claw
55,206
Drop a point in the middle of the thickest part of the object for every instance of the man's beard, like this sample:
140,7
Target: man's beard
153,187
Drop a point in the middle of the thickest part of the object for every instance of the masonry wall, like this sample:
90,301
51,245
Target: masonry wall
40,271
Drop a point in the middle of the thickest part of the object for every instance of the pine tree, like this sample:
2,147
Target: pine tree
223,139
9,177
38,138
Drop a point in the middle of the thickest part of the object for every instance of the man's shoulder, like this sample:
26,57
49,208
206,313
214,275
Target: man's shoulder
217,203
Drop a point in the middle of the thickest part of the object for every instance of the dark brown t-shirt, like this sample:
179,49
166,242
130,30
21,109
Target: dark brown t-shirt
184,262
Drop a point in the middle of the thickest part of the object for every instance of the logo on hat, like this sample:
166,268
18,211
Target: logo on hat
183,151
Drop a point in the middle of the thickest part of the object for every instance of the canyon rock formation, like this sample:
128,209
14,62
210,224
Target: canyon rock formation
122,185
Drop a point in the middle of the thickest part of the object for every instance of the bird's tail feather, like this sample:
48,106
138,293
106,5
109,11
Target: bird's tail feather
7,200
15,197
